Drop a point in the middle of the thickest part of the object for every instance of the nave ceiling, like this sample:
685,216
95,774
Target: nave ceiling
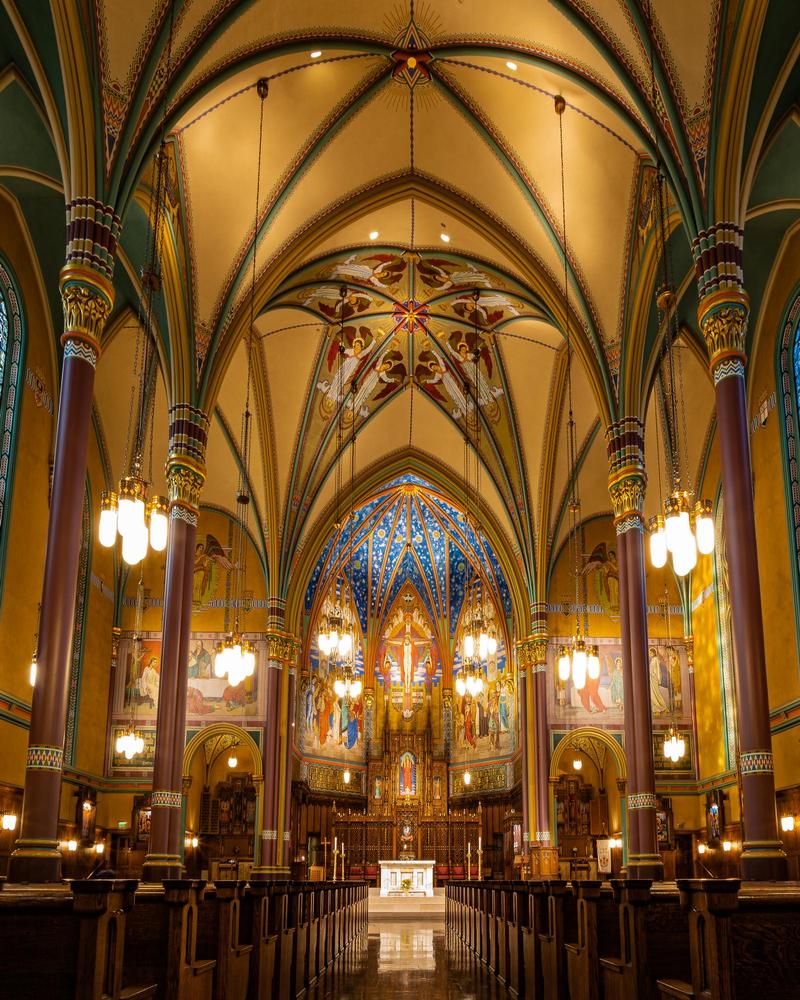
463,143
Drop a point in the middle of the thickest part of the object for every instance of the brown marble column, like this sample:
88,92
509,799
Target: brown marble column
185,478
626,485
287,759
526,735
281,655
87,296
532,660
723,316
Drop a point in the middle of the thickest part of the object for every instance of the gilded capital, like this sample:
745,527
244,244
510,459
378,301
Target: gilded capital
723,318
626,489
185,484
86,297
532,651
282,646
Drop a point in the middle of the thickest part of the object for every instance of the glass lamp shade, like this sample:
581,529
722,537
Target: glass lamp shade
339,688
492,644
130,507
134,544
467,778
72,845
563,665
684,555
704,527
577,764
346,777
478,685
593,663
701,848
159,523
322,643
233,760
107,533
345,644
483,645
355,689
658,542
461,687
220,666
676,522
469,647
787,823
248,659
32,671
579,665
9,821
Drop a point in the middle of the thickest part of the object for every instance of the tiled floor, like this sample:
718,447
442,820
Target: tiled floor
407,960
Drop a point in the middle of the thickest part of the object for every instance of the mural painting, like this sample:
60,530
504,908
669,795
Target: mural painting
601,701
210,560
327,724
407,773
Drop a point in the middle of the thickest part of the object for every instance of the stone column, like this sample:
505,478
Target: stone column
188,435
626,486
723,315
87,296
522,684
281,655
542,746
289,678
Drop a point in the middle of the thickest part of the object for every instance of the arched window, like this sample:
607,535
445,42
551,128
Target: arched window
10,367
789,388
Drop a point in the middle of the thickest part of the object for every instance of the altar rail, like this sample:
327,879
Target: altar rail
183,940
628,939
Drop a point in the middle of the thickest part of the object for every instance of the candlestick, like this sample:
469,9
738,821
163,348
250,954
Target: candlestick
335,857
469,862
343,861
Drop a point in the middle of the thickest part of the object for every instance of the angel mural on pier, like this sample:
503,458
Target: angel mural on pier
387,374
209,558
461,346
359,345
436,379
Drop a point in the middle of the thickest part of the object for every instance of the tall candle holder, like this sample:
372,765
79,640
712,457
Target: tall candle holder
342,854
469,862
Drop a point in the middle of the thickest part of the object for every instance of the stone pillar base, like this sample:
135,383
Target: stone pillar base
35,861
763,861
270,873
158,867
646,866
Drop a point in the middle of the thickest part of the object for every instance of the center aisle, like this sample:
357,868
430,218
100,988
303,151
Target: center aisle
404,960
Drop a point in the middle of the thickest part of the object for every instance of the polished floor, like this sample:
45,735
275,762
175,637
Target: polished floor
407,960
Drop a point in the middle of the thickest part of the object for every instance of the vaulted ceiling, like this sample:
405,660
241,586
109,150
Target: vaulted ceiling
414,123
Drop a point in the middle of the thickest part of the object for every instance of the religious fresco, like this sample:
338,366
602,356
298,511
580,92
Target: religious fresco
601,702
408,658
211,563
208,697
485,724
602,573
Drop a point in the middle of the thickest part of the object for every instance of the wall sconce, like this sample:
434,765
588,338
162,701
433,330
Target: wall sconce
577,763
727,845
194,841
99,848
72,845
9,821
701,848
787,823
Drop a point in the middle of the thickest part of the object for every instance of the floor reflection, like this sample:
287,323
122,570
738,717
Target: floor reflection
417,960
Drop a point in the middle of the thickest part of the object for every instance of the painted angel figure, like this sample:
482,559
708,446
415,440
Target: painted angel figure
432,372
386,266
209,557
460,349
490,307
390,371
328,299
359,345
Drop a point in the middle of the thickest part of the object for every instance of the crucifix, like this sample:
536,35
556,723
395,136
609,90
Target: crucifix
325,842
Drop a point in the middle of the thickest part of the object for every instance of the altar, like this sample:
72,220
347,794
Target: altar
394,873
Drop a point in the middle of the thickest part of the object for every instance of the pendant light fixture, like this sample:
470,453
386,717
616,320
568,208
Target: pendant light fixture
130,513
336,633
130,742
674,746
686,526
235,656
579,659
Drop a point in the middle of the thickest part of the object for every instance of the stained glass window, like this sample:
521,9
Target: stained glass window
10,360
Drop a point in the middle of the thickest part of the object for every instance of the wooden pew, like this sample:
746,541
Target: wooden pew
560,926
744,942
218,937
654,940
583,955
535,926
265,902
161,941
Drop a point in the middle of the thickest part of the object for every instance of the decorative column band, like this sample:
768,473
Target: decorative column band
282,646
526,837
539,618
269,834
631,522
756,762
188,434
276,613
532,652
180,513
92,233
625,446
543,836
723,319
717,253
44,758
166,799
642,800
78,349
286,835
86,299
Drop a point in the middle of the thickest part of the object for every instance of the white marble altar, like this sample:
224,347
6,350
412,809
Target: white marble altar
394,872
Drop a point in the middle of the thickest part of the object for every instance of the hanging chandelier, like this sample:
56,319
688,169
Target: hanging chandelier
235,656
579,659
130,742
685,527
347,685
336,624
674,745
141,520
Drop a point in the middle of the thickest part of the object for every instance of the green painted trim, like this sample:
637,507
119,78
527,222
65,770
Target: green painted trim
5,526
794,559
14,720
787,724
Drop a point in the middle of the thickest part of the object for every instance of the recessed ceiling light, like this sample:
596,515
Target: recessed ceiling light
444,237
511,65
374,234
315,54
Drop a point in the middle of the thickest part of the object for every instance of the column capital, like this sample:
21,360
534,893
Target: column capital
185,469
723,318
86,298
532,652
627,478
282,646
